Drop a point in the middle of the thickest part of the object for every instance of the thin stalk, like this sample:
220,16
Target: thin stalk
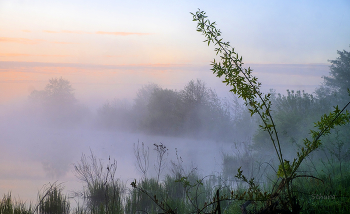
279,151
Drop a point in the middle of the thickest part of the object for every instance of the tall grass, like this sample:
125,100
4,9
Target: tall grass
138,201
328,194
102,193
52,201
10,206
183,192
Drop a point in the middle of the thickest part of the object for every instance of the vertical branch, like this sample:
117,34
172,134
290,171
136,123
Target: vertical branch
161,150
142,158
218,208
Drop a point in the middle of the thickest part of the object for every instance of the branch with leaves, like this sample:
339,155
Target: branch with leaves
246,86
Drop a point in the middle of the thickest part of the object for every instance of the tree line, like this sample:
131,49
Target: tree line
194,111
197,110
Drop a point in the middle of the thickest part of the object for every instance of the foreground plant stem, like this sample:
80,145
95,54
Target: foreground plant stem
247,86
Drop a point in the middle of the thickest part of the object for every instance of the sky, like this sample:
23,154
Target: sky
109,49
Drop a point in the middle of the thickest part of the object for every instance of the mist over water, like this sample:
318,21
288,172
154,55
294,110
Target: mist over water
35,152
41,145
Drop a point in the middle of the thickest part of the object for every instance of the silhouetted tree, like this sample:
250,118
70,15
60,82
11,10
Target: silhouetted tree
339,79
204,113
334,91
195,99
57,103
293,114
140,107
334,88
163,115
58,92
196,92
196,111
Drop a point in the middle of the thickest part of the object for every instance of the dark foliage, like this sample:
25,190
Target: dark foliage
56,104
195,111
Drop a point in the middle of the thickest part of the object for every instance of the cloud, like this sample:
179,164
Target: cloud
48,55
26,31
125,67
64,43
13,54
31,41
77,32
163,65
19,54
21,40
98,32
292,69
67,31
280,77
112,56
121,33
49,31
317,69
